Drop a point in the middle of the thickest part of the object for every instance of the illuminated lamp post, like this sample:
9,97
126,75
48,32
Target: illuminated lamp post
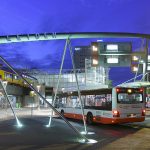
32,94
5,85
136,66
95,62
88,63
38,89
144,69
95,55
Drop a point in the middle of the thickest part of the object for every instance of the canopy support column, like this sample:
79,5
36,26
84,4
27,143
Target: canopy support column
77,83
44,99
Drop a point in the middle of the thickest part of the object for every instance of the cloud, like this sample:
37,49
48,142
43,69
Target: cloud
67,16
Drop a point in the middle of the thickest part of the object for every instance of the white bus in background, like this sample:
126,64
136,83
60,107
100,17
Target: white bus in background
107,106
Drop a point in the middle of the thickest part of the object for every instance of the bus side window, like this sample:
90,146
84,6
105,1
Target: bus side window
69,102
63,102
90,100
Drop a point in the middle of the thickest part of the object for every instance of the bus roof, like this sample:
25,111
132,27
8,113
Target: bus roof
137,84
91,91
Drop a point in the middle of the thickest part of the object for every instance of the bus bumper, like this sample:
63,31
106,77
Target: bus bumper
118,120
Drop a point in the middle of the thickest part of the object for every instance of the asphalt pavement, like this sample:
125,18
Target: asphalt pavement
34,135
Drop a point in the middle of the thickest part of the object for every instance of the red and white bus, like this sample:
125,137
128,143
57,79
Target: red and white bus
107,106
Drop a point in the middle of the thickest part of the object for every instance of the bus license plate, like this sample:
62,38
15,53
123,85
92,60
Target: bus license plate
131,115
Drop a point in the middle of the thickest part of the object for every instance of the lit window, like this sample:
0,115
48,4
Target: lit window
148,58
148,67
112,47
112,60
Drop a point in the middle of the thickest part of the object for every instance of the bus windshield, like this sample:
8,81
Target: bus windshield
125,98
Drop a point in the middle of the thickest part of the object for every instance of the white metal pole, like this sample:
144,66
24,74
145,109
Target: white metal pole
85,70
79,94
6,96
34,89
58,81
144,70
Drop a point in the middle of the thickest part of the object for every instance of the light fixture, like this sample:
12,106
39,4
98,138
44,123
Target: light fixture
134,68
38,87
63,90
129,91
95,62
18,123
77,48
32,93
99,40
135,58
5,83
94,48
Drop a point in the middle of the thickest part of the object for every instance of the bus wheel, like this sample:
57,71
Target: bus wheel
89,118
62,113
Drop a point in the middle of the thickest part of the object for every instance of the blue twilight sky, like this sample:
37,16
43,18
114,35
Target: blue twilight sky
40,16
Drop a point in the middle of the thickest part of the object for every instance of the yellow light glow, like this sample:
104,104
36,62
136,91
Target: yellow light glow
32,93
129,91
